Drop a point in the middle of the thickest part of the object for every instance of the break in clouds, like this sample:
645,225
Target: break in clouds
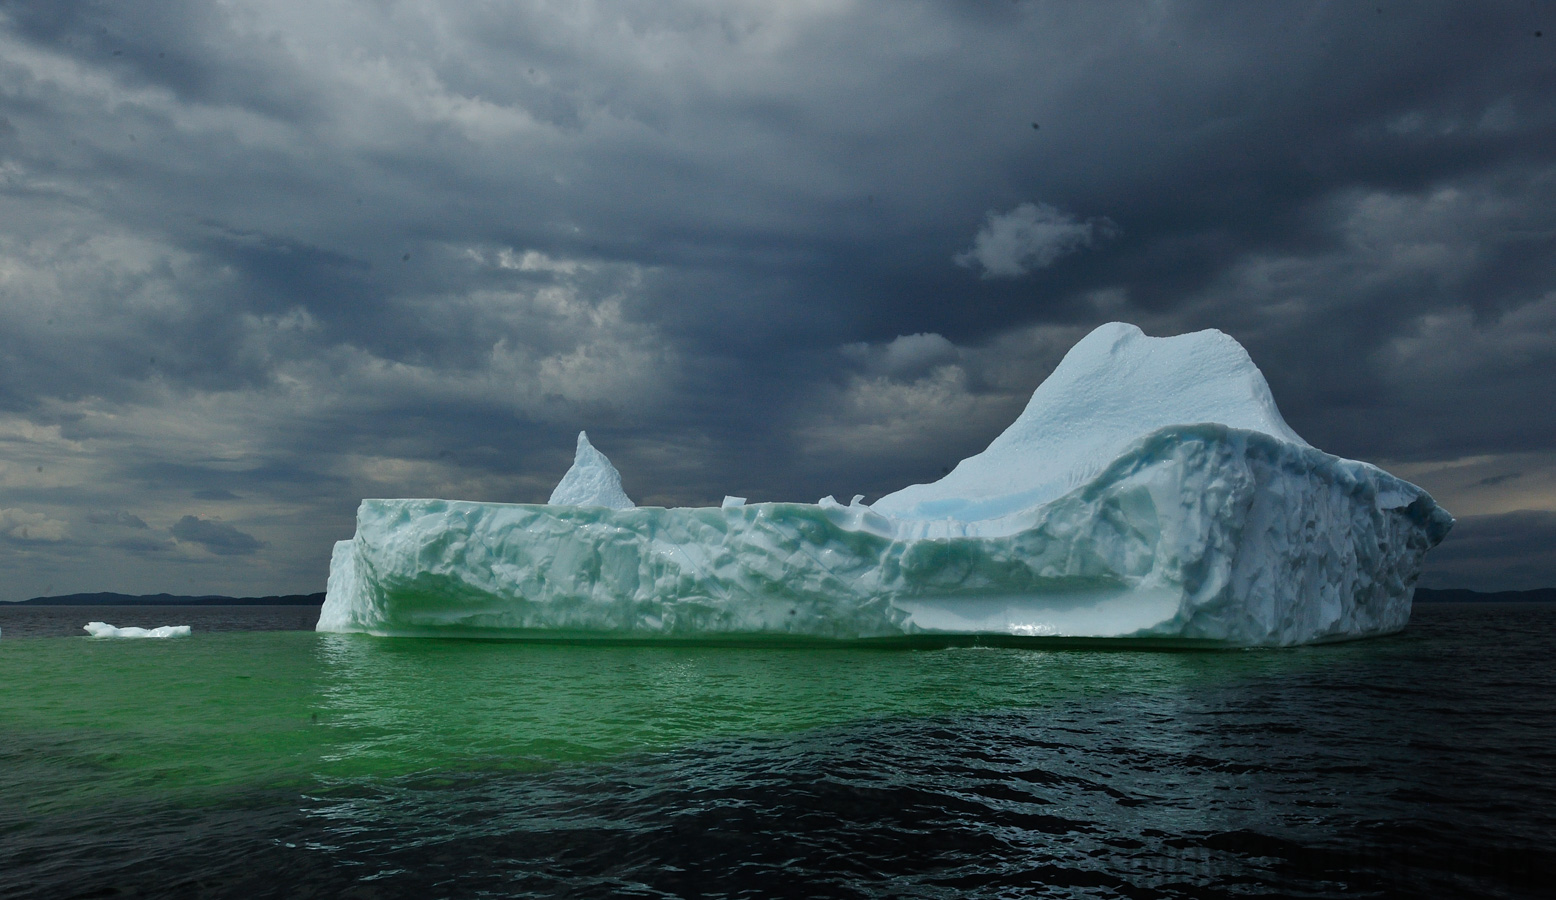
261,260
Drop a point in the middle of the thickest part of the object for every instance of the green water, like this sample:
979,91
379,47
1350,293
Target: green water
88,719
248,763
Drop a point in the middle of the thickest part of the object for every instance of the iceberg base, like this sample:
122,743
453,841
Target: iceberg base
1200,534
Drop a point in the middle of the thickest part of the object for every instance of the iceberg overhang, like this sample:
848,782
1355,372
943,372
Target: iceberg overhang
1230,532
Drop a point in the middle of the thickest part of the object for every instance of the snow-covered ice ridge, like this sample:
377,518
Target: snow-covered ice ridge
1150,490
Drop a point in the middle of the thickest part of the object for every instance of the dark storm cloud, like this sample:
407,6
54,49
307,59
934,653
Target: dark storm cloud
1509,552
221,539
141,546
301,253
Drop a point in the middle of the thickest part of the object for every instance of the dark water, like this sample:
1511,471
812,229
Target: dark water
251,763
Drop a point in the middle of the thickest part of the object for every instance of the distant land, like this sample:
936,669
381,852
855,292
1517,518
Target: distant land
110,599
1423,595
1459,595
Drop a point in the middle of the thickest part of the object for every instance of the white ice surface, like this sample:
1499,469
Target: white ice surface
1113,387
592,481
1149,490
103,629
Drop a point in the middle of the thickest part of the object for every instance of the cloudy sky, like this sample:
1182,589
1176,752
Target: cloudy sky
261,258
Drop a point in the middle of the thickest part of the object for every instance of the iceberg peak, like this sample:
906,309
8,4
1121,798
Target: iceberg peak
592,481
1114,387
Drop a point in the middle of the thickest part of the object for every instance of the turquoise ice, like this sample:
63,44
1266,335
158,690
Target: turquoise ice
1150,490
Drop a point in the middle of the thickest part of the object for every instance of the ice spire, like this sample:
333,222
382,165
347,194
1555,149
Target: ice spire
592,481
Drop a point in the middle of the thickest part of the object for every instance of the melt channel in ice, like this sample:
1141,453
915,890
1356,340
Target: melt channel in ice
1150,490
104,630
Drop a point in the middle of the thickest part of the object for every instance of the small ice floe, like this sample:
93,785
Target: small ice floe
103,629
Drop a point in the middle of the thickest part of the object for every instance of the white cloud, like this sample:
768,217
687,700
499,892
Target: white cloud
1031,236
922,403
21,525
875,416
535,261
909,355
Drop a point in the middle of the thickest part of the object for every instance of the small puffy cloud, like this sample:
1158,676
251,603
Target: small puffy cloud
922,393
879,415
905,356
218,538
30,527
120,518
1031,236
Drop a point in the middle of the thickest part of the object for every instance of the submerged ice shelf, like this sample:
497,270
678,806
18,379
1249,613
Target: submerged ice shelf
1150,490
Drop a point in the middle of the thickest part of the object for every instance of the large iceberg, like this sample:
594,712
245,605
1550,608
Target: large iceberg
1150,490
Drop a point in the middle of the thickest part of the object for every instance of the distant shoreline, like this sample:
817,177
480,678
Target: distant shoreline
112,599
1459,595
1423,595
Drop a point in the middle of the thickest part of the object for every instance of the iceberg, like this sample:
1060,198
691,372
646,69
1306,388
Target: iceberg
104,630
1149,492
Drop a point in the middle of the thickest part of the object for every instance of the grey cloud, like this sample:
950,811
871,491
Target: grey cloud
1403,327
1509,552
217,537
908,355
1031,236
215,494
120,518
28,526
142,546
661,222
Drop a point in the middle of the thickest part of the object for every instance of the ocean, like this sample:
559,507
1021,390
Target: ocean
260,759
